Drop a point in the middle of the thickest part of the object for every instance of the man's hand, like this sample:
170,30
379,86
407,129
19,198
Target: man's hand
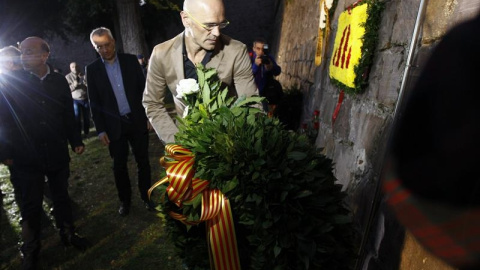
79,149
258,60
104,138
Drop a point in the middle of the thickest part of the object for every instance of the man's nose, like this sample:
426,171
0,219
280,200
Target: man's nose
216,31
25,57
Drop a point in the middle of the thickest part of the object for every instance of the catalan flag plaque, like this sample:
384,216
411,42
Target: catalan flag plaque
352,52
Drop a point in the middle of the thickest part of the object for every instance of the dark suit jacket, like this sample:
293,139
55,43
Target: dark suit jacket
103,103
36,121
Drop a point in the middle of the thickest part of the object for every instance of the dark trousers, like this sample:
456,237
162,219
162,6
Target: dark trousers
16,189
82,114
119,150
31,184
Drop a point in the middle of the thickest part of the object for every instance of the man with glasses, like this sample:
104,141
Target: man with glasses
115,84
175,59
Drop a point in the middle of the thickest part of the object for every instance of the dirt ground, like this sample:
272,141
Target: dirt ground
137,241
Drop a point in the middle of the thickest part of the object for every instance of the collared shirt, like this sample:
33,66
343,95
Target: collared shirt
188,67
44,76
115,77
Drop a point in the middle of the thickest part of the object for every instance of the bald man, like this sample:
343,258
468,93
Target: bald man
175,59
40,125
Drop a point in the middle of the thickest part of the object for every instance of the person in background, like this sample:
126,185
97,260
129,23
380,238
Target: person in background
39,124
431,179
264,70
175,59
115,87
76,81
10,59
143,63
9,64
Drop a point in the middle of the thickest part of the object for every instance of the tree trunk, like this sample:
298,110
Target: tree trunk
131,31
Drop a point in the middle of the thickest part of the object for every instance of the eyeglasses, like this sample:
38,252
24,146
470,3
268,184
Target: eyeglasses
208,26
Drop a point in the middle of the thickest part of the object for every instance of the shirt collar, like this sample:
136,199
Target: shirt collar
205,59
115,60
46,74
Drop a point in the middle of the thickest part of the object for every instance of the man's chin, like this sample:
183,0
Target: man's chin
109,58
209,46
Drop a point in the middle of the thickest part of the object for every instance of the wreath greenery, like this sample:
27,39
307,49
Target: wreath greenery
288,211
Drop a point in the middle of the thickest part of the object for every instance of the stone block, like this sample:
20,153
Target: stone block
365,125
406,16
386,76
344,158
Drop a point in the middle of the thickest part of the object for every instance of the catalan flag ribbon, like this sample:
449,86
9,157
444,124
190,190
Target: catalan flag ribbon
215,211
323,30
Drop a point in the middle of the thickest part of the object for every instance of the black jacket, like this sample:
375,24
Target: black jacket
103,103
37,120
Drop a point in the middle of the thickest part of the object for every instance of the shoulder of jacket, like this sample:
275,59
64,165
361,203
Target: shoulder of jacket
94,62
169,43
58,77
126,56
230,43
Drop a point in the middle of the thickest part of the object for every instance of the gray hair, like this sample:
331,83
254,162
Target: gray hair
100,31
10,51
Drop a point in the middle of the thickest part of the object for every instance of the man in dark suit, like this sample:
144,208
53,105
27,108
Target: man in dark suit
115,87
36,117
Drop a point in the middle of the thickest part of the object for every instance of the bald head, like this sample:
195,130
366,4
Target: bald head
203,20
204,7
35,52
37,42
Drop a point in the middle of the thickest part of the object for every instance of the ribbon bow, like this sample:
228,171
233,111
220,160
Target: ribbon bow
215,211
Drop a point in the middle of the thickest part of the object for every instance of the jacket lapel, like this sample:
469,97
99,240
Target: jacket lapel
102,76
218,54
176,59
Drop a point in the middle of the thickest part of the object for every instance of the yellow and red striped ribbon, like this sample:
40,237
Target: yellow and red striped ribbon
323,34
215,211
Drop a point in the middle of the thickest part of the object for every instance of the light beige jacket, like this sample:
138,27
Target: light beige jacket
165,70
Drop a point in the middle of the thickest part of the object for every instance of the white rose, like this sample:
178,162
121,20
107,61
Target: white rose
187,87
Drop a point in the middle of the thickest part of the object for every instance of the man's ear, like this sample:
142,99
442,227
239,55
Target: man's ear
184,16
45,56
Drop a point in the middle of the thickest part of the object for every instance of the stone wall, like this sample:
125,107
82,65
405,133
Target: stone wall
356,142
